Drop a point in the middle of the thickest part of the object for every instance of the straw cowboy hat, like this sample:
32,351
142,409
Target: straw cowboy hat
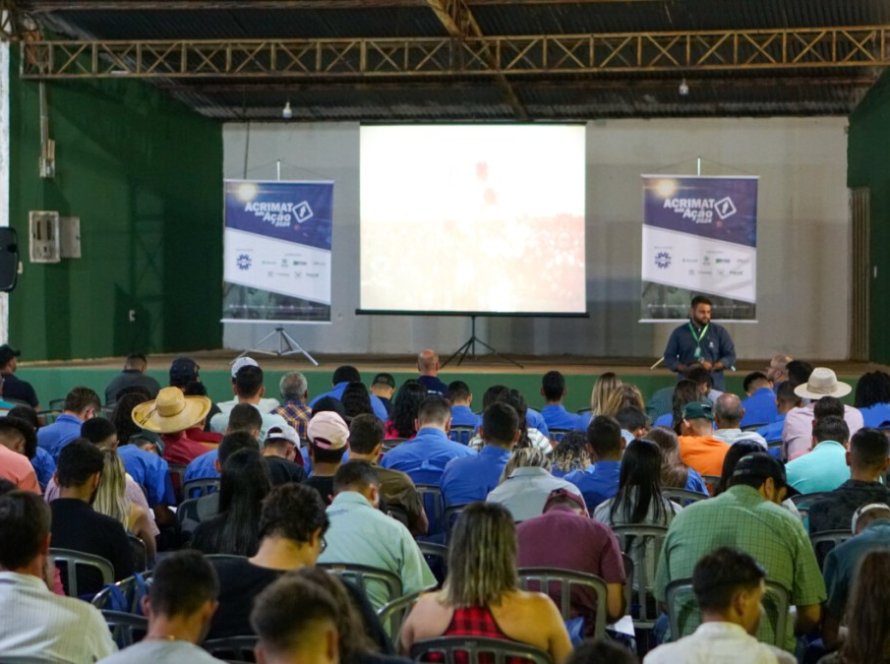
171,412
822,383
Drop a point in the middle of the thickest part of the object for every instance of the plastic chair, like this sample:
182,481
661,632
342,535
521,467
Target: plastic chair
476,651
628,581
200,487
682,496
543,579
130,589
138,552
436,556
69,562
232,648
177,473
363,575
126,628
556,435
391,443
392,616
685,616
461,434
826,540
451,515
434,506
637,538
803,502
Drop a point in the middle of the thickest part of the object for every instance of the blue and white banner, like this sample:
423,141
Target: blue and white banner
699,237
277,254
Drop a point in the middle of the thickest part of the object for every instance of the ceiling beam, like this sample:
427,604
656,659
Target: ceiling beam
43,6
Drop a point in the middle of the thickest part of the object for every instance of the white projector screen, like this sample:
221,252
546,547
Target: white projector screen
473,219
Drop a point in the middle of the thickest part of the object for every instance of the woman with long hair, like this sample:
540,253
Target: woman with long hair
570,454
243,485
674,473
623,397
685,391
356,400
481,595
404,410
607,383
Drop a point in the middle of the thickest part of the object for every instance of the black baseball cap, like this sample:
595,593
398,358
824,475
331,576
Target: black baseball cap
183,371
7,352
761,465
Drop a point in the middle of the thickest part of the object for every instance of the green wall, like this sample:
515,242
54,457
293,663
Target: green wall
868,159
144,174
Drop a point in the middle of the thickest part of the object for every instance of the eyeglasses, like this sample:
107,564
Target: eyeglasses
323,544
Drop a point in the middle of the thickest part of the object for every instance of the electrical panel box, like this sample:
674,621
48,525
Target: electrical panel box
45,245
69,237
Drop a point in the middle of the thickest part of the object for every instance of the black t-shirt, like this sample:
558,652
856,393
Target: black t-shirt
18,389
78,527
282,471
324,484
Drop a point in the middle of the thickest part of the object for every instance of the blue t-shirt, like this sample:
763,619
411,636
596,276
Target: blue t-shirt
468,479
54,437
425,456
535,421
337,393
202,467
149,471
463,416
760,408
598,483
875,416
44,466
557,417
773,432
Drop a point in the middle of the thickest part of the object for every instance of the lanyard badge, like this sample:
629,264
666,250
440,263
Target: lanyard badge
698,339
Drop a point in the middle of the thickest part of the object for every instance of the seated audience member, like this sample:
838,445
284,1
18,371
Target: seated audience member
170,415
193,512
873,398
341,378
530,435
596,651
428,366
183,372
356,400
402,422
599,482
361,534
247,384
704,380
777,371
605,384
748,517
280,451
244,484
81,403
760,403
291,530
296,622
685,391
461,399
639,500
699,448
76,525
570,454
14,463
674,473
294,390
133,375
398,494
825,467
786,399
14,387
742,449
527,483
633,423
728,414
587,546
243,417
553,389
424,457
328,442
200,430
797,433
868,463
180,603
468,479
38,625
729,587
42,461
626,396
383,387
871,530
481,597
264,403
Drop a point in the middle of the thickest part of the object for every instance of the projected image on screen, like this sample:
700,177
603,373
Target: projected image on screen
486,219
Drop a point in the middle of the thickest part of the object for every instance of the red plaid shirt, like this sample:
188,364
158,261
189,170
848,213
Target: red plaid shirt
474,621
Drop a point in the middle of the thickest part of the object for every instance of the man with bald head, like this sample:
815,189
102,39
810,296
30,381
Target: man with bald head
728,412
428,366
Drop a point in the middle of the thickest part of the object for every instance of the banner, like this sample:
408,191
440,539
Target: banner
277,251
699,238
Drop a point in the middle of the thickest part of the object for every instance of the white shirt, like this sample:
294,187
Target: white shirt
220,421
166,652
718,643
797,434
38,626
266,405
735,435
525,492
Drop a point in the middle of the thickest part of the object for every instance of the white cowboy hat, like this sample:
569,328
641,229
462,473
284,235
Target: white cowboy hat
171,412
823,382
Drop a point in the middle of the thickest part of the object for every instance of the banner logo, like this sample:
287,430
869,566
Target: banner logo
243,262
725,207
663,260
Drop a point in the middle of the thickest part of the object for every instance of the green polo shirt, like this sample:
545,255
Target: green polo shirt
742,519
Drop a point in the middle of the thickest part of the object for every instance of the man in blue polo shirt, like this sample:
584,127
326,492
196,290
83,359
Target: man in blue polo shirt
553,389
760,404
425,456
341,378
461,401
81,403
599,482
467,479
700,343
428,366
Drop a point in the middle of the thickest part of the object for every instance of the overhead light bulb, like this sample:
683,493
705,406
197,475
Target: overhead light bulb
287,112
683,88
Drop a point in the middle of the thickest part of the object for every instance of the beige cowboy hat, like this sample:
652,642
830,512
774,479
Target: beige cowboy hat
171,412
823,382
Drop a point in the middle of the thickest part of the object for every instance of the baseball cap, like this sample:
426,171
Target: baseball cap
762,465
7,352
243,361
698,410
328,431
283,432
183,371
384,379
558,494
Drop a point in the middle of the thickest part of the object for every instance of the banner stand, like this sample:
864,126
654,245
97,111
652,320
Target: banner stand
287,346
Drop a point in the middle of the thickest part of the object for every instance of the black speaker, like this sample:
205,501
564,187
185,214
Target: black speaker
9,258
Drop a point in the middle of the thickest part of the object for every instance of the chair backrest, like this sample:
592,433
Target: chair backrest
69,563
200,487
826,540
436,556
685,617
392,616
362,575
645,542
628,581
390,443
563,586
556,435
451,514
177,473
683,497
461,434
476,651
434,506
126,628
804,501
131,590
139,553
232,648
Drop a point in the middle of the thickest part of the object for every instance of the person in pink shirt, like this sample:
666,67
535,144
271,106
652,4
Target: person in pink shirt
14,465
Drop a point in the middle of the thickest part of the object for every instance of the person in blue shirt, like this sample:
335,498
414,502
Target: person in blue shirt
873,398
700,343
461,400
243,417
553,389
786,399
341,378
760,404
633,422
467,479
599,482
428,366
424,457
81,403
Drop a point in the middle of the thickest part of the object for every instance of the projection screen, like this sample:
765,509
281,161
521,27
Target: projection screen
473,219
